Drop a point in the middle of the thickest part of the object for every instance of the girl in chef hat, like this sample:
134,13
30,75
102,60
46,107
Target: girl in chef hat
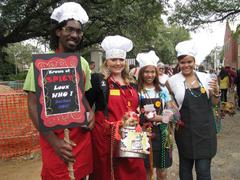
154,100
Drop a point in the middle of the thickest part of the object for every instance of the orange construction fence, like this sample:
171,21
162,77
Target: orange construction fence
17,134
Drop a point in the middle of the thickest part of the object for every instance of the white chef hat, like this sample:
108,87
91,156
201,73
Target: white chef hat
160,64
116,46
70,10
149,58
186,48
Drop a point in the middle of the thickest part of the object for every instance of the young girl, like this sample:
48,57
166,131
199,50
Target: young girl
153,99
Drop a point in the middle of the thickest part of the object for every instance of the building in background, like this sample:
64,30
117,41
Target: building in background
231,46
238,47
96,55
214,60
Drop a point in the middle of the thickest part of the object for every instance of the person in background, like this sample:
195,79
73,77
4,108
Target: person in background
176,69
228,71
151,93
224,84
168,70
161,74
131,66
195,136
134,72
67,32
232,75
237,82
201,68
118,97
92,66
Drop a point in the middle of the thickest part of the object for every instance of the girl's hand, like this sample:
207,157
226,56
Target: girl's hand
149,114
156,118
167,115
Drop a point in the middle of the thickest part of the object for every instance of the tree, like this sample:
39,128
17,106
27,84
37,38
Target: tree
167,40
140,20
17,56
194,14
25,19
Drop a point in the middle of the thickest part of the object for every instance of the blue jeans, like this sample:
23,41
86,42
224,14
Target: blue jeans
202,168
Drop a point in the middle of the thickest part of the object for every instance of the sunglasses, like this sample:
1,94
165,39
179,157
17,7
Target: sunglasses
70,30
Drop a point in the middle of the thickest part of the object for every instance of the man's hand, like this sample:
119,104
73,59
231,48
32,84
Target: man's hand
62,148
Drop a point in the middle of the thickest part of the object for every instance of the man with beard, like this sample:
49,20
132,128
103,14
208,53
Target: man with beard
66,36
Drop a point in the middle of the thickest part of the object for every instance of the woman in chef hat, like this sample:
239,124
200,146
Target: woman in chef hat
114,94
195,93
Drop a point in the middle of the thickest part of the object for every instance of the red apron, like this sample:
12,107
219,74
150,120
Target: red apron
124,168
54,168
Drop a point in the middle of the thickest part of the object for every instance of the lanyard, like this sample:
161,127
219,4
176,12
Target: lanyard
202,89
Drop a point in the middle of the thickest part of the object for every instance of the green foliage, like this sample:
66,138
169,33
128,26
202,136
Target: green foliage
221,55
25,19
16,55
140,20
166,40
210,60
236,34
193,14
20,53
6,69
19,76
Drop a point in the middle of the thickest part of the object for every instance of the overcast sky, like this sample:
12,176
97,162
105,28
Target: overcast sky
209,37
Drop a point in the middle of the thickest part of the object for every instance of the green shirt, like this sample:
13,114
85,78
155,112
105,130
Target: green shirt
29,84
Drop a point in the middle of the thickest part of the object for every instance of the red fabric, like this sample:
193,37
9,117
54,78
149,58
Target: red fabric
55,169
124,168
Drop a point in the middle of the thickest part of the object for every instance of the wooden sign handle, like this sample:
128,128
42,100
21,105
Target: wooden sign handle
70,164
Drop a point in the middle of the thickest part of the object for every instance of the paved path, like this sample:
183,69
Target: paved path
225,166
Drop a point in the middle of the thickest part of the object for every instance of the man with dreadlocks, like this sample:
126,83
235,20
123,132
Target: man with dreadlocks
67,33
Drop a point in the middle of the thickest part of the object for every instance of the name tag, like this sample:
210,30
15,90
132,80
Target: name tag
114,92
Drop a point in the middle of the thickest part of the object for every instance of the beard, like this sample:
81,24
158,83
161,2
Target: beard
70,46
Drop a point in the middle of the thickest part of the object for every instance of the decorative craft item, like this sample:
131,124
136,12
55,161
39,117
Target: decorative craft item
131,140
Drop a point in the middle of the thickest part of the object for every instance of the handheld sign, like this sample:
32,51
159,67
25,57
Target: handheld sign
59,88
